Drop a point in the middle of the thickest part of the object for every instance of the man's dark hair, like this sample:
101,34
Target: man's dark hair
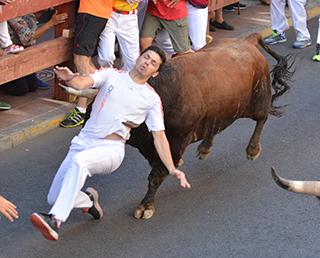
159,51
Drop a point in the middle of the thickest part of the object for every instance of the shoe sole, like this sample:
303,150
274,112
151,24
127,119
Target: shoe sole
276,42
43,227
5,108
308,45
95,195
71,126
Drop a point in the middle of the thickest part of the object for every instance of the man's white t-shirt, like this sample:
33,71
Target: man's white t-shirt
120,99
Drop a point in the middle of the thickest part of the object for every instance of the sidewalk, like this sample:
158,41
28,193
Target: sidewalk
37,112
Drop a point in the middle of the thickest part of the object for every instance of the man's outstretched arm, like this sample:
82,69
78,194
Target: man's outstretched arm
72,79
163,149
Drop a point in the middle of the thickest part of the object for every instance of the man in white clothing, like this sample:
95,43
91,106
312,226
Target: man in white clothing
124,98
279,23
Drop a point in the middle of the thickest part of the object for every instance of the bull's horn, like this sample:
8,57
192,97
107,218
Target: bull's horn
88,93
305,187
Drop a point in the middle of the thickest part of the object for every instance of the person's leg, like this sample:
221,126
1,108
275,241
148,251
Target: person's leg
128,37
197,26
279,20
103,157
87,31
17,87
142,8
279,23
164,41
150,27
178,32
5,40
107,41
299,18
219,21
99,156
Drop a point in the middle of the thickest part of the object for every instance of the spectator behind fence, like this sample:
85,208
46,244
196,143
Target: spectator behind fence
91,19
171,16
24,30
7,47
280,24
5,41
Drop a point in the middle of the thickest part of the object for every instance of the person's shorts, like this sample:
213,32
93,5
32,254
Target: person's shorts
177,29
87,30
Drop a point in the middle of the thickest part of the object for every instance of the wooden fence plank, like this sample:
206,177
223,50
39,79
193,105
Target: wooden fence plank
35,58
23,7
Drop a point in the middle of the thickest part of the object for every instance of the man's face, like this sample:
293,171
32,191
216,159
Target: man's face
148,64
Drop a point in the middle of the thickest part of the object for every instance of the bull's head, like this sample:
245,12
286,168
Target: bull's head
305,187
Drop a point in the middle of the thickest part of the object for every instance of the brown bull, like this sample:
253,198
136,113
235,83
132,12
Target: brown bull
205,92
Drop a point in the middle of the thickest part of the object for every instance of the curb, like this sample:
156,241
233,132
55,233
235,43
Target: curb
13,136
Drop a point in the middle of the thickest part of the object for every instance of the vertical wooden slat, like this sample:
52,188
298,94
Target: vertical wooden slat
58,93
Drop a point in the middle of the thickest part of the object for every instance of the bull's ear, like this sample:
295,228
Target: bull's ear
155,74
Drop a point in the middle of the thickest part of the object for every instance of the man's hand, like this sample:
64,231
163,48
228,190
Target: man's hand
181,176
64,73
58,18
8,209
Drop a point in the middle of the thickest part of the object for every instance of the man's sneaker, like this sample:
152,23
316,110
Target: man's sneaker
316,58
299,44
73,119
95,210
275,38
4,105
46,224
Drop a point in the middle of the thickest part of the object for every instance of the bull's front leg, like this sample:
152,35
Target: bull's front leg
146,208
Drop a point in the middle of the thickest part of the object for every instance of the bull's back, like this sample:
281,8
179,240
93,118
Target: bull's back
224,76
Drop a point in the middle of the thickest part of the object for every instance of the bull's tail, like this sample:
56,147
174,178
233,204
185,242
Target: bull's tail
281,73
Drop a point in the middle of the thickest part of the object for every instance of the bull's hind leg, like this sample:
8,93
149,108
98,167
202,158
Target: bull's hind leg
205,147
254,146
146,208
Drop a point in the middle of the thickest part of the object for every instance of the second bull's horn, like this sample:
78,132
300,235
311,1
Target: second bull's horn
305,187
88,93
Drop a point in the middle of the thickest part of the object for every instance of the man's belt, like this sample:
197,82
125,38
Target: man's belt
124,12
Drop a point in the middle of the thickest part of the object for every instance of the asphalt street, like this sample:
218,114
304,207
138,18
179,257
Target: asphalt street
234,208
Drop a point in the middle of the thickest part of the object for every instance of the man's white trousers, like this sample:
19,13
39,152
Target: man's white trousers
86,157
298,13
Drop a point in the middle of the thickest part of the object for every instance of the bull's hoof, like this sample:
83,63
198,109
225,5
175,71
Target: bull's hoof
203,151
144,211
203,156
180,163
254,152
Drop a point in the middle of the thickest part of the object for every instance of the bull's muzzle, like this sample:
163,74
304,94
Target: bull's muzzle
305,187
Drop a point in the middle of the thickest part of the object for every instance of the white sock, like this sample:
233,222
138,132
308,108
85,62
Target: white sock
81,109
